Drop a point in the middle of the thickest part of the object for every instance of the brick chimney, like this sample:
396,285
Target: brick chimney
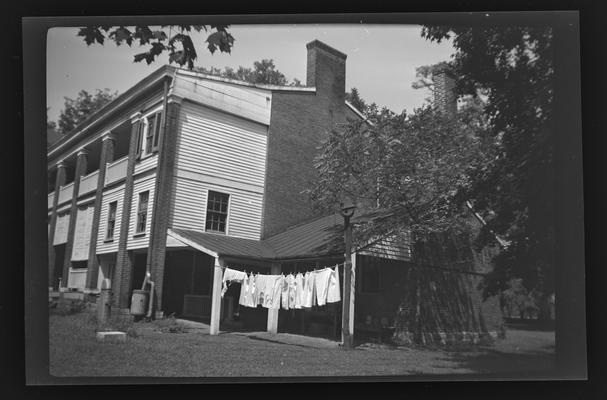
326,71
444,92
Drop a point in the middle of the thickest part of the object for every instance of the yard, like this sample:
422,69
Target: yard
183,349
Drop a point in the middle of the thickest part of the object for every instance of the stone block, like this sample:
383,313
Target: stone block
111,337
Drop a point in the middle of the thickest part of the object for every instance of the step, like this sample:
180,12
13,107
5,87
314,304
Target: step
111,336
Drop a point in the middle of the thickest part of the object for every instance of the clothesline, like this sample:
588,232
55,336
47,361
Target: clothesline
223,268
302,290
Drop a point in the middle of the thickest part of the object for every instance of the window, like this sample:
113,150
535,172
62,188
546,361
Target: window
217,211
369,275
139,138
142,211
152,133
111,220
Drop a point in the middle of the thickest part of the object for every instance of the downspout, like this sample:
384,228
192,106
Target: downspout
148,266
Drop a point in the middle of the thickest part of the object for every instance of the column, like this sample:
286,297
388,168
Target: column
107,156
81,165
352,292
161,208
59,181
273,314
123,273
216,296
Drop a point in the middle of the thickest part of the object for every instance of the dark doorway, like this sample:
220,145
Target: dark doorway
58,270
139,261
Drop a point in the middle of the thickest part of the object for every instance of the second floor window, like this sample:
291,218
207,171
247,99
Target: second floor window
111,220
217,211
142,211
152,134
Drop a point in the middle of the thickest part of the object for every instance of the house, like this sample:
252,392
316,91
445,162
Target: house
187,173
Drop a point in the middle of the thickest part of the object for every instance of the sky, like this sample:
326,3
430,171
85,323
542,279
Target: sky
381,59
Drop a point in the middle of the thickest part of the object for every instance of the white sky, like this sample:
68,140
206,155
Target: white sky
381,59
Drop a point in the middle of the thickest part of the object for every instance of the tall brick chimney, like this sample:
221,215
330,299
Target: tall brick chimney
326,71
444,92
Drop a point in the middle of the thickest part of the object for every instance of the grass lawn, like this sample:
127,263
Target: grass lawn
74,351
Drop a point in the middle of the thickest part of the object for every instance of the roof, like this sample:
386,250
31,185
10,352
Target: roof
319,237
221,245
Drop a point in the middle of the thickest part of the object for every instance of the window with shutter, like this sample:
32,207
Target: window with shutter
157,129
111,220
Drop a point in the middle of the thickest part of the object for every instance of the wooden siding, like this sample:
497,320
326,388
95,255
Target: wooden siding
114,194
221,145
76,278
142,184
393,248
252,103
221,152
63,220
116,170
190,203
82,233
65,193
88,183
51,196
146,163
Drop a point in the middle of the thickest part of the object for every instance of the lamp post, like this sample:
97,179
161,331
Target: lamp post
347,208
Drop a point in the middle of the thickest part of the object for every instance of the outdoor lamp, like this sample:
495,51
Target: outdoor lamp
347,207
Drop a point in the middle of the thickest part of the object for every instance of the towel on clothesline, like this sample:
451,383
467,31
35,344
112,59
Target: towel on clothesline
231,275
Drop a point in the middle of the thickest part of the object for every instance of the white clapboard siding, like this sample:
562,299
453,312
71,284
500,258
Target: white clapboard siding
146,163
65,193
76,278
116,170
251,103
395,247
137,241
88,183
221,145
51,197
190,203
82,233
115,194
61,227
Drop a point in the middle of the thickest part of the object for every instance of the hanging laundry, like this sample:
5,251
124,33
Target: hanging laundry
299,291
284,293
321,283
333,295
260,289
272,291
308,290
231,275
244,289
250,299
292,291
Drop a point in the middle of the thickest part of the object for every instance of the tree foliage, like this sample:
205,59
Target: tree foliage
263,72
77,110
354,98
414,166
176,40
514,192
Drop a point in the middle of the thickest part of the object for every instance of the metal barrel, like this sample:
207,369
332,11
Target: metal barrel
139,302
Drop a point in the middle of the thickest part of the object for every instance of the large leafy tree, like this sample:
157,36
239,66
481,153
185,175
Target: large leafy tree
515,191
176,40
263,71
77,110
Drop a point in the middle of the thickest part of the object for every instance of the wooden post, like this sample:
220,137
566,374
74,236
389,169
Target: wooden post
216,296
273,314
347,321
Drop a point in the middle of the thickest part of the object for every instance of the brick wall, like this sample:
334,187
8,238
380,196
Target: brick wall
298,123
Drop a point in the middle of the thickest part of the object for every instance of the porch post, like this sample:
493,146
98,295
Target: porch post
352,291
216,296
273,314
81,166
59,181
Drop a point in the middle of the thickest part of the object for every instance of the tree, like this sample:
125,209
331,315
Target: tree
354,98
263,71
514,192
77,110
174,39
51,131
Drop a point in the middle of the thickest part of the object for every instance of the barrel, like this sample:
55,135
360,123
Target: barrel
139,302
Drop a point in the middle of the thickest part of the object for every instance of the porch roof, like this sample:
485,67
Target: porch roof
312,239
